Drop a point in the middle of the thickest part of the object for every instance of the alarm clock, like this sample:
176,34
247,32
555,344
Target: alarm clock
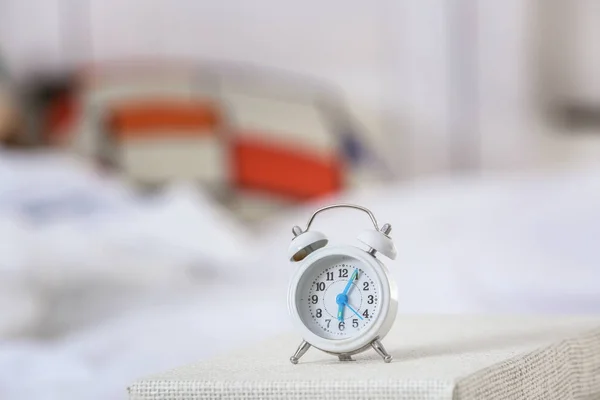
342,299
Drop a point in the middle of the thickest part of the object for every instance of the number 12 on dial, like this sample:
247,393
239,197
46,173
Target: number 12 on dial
341,302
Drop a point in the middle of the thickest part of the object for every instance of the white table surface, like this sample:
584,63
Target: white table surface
431,354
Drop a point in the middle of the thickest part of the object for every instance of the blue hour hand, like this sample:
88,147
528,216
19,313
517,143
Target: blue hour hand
341,300
340,314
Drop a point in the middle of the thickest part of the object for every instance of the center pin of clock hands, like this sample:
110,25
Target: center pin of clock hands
342,298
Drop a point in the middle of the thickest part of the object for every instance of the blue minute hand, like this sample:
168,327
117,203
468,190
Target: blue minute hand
342,298
349,284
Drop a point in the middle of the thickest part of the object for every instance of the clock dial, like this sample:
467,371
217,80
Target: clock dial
338,299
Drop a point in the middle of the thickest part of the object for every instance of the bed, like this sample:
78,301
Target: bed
96,280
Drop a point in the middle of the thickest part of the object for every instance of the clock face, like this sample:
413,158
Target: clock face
339,297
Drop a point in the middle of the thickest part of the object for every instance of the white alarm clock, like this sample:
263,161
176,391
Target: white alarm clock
342,299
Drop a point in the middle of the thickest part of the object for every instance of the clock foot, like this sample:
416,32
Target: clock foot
378,347
302,349
345,357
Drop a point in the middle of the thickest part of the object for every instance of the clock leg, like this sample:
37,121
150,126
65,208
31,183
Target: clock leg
345,357
302,349
378,347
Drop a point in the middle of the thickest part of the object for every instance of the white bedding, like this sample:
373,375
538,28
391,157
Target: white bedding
100,287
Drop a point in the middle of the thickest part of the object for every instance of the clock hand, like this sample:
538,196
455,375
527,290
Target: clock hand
349,284
342,298
354,311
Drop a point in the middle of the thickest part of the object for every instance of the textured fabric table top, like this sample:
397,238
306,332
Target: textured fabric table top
435,357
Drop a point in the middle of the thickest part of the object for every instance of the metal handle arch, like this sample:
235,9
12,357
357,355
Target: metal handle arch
354,206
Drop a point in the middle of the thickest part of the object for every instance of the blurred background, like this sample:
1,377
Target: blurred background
155,155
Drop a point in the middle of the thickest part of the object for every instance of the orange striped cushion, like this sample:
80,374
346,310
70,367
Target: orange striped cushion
283,169
147,119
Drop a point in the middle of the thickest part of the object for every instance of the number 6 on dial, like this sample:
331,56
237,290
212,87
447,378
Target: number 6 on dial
342,299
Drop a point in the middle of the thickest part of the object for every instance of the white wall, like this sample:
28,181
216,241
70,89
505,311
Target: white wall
415,34
442,85
337,41
507,78
568,34
30,34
